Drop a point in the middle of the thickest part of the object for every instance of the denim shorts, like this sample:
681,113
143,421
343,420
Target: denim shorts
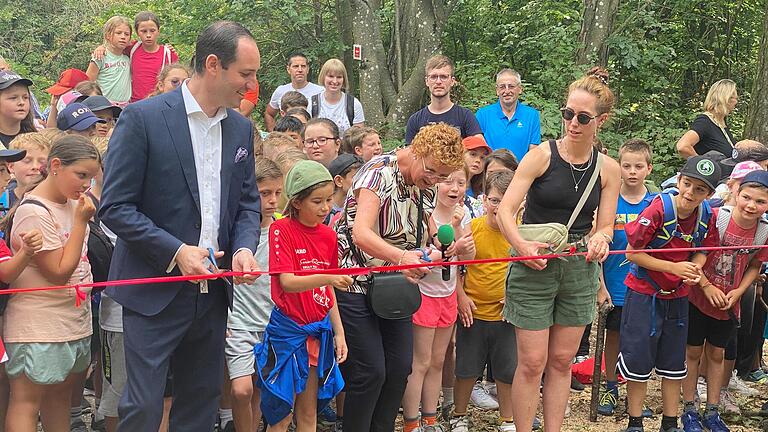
653,337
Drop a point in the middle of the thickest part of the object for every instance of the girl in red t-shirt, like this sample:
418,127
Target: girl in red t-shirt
301,241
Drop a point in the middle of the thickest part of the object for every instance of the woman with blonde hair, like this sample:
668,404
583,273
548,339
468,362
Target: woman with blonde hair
709,130
333,102
551,301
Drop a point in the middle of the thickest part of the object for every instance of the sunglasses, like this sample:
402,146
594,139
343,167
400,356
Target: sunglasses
582,118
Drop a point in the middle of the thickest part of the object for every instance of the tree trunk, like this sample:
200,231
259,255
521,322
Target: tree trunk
367,33
421,27
344,18
317,8
596,26
757,120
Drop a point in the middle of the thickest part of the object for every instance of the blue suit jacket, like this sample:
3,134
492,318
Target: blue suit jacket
151,199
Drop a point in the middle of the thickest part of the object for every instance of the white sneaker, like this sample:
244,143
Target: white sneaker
738,385
432,428
459,424
568,409
728,403
507,427
482,399
491,388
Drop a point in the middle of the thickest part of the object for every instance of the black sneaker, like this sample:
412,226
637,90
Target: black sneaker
576,385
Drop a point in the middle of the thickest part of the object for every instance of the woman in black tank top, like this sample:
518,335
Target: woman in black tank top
550,301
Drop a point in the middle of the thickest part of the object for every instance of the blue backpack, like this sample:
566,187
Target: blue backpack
671,229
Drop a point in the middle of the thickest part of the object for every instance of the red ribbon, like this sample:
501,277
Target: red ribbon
352,271
80,296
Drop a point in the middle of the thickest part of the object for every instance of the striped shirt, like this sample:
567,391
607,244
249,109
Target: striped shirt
398,211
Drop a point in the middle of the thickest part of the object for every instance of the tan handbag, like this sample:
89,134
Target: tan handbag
553,233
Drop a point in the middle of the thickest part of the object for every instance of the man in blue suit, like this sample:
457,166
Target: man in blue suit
179,179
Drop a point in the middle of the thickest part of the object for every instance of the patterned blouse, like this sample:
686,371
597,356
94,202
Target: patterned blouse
398,211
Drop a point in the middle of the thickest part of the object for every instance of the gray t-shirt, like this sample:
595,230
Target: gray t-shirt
252,303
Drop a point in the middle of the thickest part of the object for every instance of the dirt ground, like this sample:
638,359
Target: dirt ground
578,421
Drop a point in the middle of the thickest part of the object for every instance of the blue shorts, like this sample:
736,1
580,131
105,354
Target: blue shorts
640,351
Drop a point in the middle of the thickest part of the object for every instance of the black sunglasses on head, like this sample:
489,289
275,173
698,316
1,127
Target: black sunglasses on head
582,118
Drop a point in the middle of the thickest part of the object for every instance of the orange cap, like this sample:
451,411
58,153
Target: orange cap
67,81
474,142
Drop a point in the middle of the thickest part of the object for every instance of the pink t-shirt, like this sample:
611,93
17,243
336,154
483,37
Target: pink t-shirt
725,268
47,316
144,69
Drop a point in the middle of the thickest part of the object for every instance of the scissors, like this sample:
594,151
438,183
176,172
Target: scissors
215,269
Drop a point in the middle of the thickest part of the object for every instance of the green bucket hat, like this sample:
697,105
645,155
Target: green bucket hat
304,174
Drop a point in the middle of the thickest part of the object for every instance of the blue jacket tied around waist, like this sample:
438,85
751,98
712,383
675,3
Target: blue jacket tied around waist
287,341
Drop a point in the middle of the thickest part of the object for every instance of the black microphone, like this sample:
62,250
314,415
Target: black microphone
446,236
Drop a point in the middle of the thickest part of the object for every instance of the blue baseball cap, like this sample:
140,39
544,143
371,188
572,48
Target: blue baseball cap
99,102
758,176
76,116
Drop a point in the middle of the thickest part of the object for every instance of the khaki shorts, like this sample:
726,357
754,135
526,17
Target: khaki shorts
50,362
564,293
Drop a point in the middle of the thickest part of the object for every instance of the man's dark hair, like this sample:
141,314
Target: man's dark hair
295,54
220,39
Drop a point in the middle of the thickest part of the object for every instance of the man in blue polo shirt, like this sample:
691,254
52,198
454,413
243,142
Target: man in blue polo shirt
508,123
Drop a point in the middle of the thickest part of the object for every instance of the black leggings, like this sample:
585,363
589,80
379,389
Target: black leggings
377,367
750,339
584,344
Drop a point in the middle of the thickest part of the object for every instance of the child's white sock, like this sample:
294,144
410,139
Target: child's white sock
225,416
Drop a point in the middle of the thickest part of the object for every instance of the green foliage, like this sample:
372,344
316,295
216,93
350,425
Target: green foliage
663,56
662,59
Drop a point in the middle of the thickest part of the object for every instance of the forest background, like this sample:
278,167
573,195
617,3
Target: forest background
662,54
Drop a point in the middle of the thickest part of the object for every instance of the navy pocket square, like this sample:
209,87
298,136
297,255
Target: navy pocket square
241,154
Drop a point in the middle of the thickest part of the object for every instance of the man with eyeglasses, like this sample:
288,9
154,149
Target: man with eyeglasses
508,123
298,70
440,79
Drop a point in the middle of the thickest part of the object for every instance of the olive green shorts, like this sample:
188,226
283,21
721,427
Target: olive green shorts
563,293
48,363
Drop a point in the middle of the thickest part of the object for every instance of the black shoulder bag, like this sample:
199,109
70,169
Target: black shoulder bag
390,295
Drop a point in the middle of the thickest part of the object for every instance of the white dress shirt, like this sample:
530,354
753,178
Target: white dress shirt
205,133
206,145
